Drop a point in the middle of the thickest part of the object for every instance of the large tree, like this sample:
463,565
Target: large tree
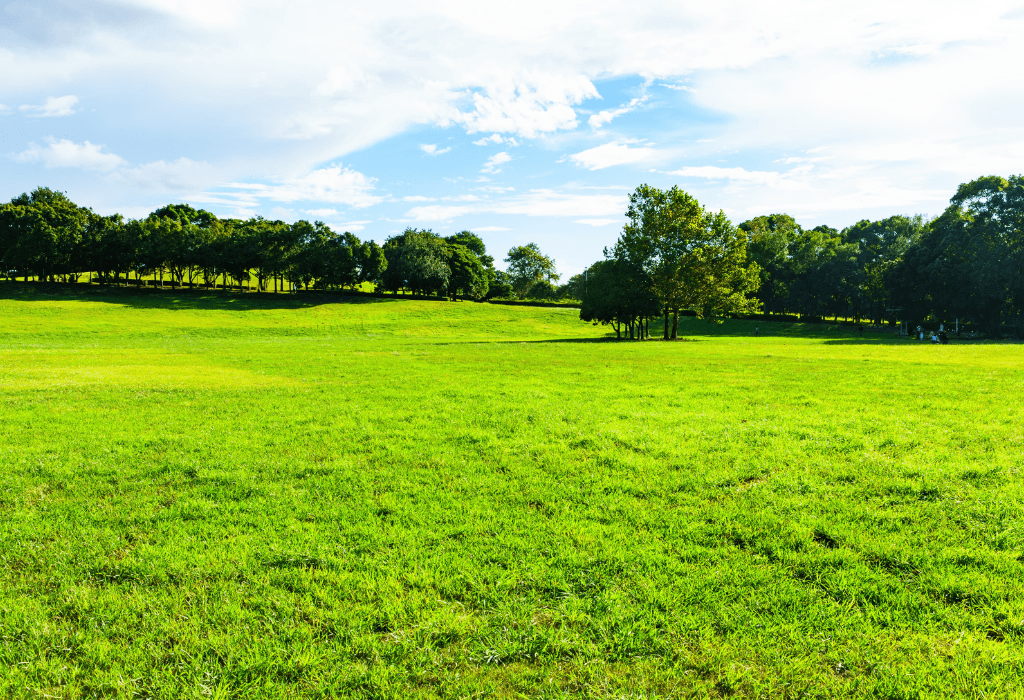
768,245
417,260
527,266
618,293
880,246
694,258
970,261
42,234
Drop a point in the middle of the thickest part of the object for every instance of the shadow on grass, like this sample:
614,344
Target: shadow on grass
827,332
189,299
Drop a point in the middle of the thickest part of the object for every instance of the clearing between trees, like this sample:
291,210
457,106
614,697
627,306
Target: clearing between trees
235,497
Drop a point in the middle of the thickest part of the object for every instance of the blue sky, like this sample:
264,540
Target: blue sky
525,122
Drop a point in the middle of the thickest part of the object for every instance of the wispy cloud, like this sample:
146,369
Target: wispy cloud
68,154
183,175
431,149
333,184
615,153
496,139
711,172
527,108
538,202
598,120
351,226
53,107
597,222
494,163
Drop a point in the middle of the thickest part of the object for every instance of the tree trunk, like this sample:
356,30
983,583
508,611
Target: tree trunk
666,322
675,322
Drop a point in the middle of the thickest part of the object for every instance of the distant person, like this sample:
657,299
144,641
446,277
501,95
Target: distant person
861,329
935,339
943,338
757,331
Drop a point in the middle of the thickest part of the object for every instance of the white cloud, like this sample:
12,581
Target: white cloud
493,138
4,109
906,98
597,222
615,153
418,198
334,184
68,154
539,202
431,149
183,175
53,107
494,163
528,106
320,212
489,229
351,226
603,117
496,139
711,172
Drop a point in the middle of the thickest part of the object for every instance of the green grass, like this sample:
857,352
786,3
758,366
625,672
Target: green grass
219,496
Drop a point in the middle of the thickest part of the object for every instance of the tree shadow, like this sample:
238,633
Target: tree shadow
743,328
190,299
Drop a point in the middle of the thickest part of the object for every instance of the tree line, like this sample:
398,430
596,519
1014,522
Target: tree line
46,236
673,256
965,265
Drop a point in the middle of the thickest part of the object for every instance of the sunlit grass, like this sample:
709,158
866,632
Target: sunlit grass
209,495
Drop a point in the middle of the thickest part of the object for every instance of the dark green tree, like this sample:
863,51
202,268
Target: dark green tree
695,259
527,266
417,260
769,239
618,293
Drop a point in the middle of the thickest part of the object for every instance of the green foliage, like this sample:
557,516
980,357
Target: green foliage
42,234
233,497
499,285
970,261
467,277
528,266
694,259
768,246
417,262
616,292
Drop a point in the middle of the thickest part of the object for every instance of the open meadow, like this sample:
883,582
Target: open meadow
229,496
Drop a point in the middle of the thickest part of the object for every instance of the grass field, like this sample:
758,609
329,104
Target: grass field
221,496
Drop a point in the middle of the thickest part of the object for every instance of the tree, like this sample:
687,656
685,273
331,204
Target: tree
467,275
768,246
114,248
694,259
618,293
825,272
43,235
970,260
527,265
474,243
499,284
881,245
416,261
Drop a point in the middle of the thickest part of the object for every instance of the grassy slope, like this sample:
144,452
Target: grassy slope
225,496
